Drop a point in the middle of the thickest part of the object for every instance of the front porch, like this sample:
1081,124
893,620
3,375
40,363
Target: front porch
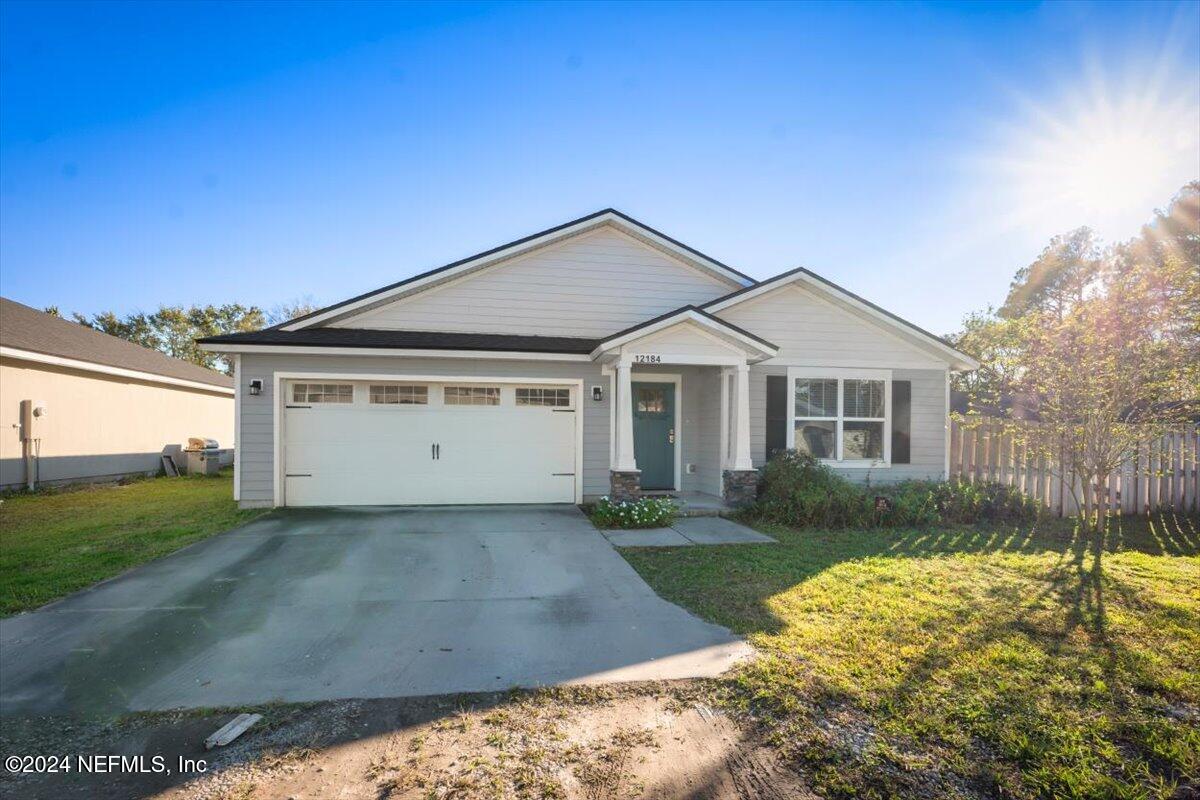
681,412
693,503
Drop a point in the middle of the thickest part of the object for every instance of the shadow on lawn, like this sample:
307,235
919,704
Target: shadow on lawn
1062,633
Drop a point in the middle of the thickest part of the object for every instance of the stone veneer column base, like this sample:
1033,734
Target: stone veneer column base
625,485
741,486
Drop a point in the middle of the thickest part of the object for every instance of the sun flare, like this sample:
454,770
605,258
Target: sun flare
1105,156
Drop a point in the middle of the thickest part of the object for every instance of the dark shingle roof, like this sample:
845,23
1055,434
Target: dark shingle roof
25,328
409,340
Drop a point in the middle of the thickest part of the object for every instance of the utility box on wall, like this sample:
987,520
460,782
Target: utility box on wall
31,412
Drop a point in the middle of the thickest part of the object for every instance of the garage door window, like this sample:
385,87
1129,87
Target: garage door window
472,396
399,395
322,393
543,397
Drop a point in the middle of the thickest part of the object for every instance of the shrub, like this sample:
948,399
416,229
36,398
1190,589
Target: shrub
801,492
647,512
959,501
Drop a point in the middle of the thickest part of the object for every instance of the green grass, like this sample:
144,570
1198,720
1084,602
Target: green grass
54,543
964,662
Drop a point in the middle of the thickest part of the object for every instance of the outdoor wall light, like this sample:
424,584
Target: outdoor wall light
597,393
256,386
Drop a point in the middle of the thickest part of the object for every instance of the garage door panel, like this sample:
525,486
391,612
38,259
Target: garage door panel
359,454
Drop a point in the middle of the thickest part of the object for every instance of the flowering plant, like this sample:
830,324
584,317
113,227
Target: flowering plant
647,512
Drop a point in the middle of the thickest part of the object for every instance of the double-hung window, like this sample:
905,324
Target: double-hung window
841,416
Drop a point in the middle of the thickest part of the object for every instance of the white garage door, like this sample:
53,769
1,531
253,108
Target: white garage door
392,443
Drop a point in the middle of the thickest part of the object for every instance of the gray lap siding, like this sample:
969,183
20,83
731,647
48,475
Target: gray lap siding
701,403
256,448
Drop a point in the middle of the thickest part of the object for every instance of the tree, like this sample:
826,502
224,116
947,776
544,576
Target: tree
285,312
1104,382
1106,344
1058,278
1163,262
174,329
997,343
135,328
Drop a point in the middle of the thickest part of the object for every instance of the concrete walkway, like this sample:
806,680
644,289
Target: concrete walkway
339,603
688,531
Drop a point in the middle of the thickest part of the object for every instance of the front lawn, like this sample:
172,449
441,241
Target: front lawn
54,543
964,662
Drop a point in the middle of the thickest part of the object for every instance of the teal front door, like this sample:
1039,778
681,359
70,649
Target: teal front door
654,433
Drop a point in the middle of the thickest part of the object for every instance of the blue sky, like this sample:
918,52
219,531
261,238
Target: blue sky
171,154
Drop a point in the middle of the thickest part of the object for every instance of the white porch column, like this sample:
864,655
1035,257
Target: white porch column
624,461
741,430
726,410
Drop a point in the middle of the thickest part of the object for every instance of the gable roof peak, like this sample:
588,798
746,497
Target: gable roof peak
823,286
418,282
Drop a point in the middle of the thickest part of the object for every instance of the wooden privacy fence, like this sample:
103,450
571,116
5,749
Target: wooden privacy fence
1163,474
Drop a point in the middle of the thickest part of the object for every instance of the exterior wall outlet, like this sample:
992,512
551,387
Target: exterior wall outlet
691,469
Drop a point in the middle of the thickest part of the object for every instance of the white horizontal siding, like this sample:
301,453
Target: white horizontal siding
256,447
591,285
812,330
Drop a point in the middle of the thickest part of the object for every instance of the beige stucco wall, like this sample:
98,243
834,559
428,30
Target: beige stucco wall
98,426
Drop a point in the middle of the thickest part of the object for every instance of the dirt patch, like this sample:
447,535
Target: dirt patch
655,741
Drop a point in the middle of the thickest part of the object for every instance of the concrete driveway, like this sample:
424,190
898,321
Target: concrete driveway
363,602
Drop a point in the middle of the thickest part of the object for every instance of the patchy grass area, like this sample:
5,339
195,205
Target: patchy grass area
56,542
652,740
964,662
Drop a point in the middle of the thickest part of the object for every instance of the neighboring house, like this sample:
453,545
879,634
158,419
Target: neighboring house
109,407
600,357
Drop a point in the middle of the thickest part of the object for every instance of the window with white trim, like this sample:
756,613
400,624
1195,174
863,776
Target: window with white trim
537,396
322,393
399,395
471,396
842,419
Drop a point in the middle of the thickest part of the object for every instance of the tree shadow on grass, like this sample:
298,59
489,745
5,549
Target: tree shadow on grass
747,577
1043,601
1066,628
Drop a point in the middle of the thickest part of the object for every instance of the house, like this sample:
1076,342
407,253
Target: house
600,357
79,405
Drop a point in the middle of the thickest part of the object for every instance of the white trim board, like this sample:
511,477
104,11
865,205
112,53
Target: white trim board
237,427
278,401
104,369
494,355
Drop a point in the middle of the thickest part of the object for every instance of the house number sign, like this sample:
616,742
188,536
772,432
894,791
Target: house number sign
641,359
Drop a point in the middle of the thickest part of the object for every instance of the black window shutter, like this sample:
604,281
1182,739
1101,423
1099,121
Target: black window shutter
901,421
777,414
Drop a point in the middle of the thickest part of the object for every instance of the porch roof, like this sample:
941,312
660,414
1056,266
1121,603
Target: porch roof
753,347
